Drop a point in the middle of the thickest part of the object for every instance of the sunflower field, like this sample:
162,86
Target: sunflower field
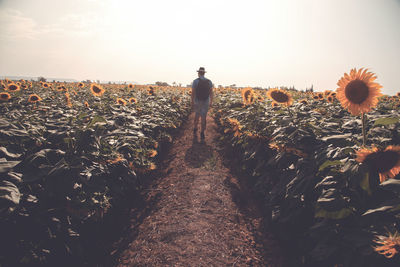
325,167
70,155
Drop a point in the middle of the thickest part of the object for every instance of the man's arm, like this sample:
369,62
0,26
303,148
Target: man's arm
211,94
193,91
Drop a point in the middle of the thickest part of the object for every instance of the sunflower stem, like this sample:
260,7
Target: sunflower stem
363,120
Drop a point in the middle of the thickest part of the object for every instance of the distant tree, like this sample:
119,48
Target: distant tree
162,84
41,79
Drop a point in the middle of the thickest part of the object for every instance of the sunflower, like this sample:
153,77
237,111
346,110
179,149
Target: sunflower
280,96
329,98
303,101
132,100
315,97
81,85
13,87
152,153
33,98
97,90
385,162
130,86
274,104
398,94
24,86
61,88
46,85
320,96
248,95
121,101
235,127
5,96
86,104
358,92
68,99
150,91
388,245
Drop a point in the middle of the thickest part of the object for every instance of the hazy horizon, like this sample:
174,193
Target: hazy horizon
252,43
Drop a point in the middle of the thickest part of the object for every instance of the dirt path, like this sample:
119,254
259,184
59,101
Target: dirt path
202,216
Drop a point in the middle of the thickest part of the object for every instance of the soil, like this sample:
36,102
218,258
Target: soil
199,213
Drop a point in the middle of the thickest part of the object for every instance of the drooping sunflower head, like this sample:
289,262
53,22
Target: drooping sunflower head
248,95
96,89
357,91
13,87
150,90
5,96
61,88
33,98
388,245
303,101
385,162
132,100
280,96
121,101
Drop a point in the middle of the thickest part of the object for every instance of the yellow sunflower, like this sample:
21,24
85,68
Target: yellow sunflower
248,95
357,91
5,96
280,96
13,87
303,101
121,101
81,84
386,162
33,98
329,98
132,100
130,86
86,104
388,245
96,89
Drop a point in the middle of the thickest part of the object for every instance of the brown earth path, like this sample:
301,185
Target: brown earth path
203,216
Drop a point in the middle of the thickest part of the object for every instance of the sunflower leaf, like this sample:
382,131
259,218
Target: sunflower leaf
386,121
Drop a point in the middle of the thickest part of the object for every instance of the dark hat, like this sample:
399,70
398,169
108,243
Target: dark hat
201,69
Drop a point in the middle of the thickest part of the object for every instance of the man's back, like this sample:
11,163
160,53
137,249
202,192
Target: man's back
202,87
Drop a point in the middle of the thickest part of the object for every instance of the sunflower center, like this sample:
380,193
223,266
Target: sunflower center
12,87
4,96
96,89
356,91
382,161
279,96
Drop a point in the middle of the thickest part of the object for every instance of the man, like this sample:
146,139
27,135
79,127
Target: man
202,98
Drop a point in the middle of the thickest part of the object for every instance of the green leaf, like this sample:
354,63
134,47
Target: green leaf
386,121
9,196
336,215
329,163
96,119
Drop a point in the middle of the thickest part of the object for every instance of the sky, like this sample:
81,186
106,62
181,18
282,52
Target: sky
248,43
